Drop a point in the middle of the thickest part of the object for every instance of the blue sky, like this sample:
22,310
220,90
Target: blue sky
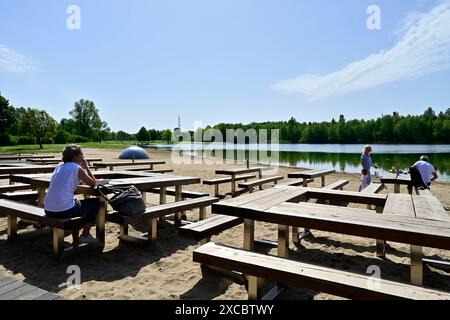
144,62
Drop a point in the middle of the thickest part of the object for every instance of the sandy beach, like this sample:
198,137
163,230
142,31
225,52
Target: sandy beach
166,271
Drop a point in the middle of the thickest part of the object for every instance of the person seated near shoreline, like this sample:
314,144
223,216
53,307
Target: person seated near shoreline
426,170
366,162
60,200
365,179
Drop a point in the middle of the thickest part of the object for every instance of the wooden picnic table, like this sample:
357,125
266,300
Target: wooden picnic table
24,169
142,181
417,220
308,175
112,164
311,174
56,161
233,172
396,180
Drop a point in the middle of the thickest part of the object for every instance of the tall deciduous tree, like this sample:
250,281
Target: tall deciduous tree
86,118
40,124
6,118
143,136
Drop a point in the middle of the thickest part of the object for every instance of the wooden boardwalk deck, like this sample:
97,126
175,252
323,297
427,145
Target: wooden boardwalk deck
11,289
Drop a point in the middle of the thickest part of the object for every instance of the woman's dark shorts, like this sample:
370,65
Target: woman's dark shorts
83,208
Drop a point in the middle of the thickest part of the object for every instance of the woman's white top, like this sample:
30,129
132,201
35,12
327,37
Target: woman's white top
61,192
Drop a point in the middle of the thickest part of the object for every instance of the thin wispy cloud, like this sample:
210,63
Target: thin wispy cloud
14,62
423,47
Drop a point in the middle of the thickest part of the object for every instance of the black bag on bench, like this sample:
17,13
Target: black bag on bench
127,200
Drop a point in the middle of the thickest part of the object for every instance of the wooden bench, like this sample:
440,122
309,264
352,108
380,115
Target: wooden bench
374,187
218,181
26,196
14,210
205,229
151,214
337,185
250,186
297,183
14,187
294,273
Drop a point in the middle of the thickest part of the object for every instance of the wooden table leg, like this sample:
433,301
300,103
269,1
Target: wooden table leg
381,244
152,229
283,241
162,198
40,197
323,181
396,188
111,168
254,288
12,227
202,214
249,234
58,242
306,231
101,220
416,265
151,166
178,196
233,185
260,177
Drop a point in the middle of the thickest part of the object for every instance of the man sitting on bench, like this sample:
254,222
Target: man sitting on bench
60,200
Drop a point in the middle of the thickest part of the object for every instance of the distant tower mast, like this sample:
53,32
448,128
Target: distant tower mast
179,122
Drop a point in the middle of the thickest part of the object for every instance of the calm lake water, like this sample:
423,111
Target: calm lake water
341,157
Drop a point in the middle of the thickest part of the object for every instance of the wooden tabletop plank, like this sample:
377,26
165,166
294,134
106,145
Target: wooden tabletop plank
141,183
357,222
27,169
392,178
311,174
252,197
429,207
347,196
400,205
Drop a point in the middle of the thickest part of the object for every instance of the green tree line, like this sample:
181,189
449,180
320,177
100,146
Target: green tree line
27,126
426,128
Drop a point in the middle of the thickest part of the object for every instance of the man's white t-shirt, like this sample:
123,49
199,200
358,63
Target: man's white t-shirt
426,170
61,192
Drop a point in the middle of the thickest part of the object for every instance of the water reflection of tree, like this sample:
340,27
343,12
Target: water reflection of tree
342,160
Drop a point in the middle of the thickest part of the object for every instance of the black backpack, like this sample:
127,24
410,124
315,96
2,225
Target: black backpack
127,200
